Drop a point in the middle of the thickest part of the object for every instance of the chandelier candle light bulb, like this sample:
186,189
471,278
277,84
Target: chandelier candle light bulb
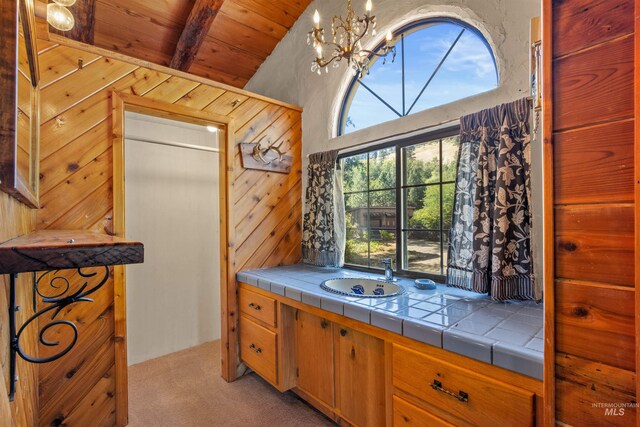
346,43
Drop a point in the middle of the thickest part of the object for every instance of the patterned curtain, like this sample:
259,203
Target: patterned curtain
323,237
490,250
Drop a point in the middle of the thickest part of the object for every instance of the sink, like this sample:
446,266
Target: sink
363,288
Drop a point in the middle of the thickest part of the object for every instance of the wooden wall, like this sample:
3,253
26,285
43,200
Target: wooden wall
593,167
17,219
77,193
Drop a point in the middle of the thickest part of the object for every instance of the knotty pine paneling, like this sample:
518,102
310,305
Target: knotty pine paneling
594,86
587,23
582,382
77,193
594,242
17,219
593,165
593,316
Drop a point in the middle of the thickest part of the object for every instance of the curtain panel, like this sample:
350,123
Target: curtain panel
323,236
490,249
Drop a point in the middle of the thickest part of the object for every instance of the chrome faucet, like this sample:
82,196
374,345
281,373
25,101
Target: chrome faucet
388,270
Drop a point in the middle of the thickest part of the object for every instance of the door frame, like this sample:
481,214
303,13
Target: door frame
121,103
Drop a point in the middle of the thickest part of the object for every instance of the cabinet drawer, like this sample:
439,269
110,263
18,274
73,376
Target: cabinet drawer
258,306
258,349
474,398
407,415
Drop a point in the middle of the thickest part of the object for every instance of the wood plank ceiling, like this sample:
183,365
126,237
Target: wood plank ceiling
224,40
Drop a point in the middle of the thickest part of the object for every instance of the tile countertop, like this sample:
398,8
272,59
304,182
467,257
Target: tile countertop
508,335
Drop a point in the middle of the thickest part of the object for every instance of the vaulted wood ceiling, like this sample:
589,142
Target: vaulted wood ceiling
225,40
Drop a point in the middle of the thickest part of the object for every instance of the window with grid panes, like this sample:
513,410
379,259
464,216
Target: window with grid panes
399,202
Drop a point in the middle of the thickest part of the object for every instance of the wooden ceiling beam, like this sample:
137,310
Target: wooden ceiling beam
195,30
84,12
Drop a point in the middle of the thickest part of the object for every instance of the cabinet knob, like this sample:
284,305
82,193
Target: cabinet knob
343,332
324,324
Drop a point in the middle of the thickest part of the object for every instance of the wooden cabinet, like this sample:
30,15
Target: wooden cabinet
342,368
267,337
360,377
407,415
257,306
458,394
314,357
258,349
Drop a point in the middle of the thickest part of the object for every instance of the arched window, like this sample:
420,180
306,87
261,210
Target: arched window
438,61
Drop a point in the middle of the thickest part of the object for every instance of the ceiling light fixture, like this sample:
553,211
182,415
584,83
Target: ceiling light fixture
347,41
58,16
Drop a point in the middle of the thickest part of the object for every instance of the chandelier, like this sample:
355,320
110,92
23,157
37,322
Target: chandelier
347,41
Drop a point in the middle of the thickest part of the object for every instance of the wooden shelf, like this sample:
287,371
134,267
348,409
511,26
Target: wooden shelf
61,249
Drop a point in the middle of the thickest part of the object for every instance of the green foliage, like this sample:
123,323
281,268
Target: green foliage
377,171
387,236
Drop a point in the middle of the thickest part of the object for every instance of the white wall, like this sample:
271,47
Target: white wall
286,74
172,206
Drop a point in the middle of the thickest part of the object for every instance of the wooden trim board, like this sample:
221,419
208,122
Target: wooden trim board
549,230
636,183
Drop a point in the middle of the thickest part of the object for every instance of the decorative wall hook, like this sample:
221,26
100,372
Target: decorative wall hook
269,157
269,154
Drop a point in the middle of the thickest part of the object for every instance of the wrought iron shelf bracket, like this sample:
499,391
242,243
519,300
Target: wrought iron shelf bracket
54,304
48,256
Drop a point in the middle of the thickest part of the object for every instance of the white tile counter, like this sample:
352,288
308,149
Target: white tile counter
508,335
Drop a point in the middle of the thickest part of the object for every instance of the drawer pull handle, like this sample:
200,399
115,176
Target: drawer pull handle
257,350
255,306
461,395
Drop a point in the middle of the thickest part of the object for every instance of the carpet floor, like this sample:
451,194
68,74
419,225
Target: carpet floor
185,389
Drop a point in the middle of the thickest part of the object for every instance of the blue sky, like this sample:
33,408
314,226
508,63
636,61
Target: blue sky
467,71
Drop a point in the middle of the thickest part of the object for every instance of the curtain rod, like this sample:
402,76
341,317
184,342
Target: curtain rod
177,144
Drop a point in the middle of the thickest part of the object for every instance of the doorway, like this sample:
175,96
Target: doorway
172,205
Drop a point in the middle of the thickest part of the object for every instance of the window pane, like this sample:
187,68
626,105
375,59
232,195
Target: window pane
422,163
424,49
450,147
356,210
357,247
383,209
382,169
383,245
423,251
366,110
426,213
384,79
354,171
469,70
448,191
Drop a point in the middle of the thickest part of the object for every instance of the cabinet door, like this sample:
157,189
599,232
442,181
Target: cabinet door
314,356
359,361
